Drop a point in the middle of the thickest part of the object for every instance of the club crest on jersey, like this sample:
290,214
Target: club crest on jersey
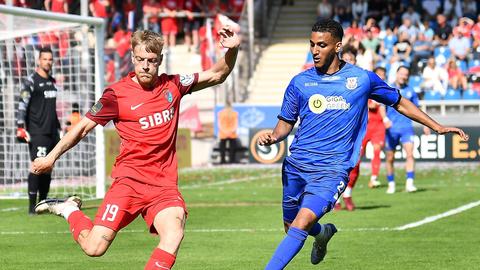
168,95
351,83
186,80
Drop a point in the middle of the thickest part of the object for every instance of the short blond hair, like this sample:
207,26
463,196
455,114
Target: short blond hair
153,41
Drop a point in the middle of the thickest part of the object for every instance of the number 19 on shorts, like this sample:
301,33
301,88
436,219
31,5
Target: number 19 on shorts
110,212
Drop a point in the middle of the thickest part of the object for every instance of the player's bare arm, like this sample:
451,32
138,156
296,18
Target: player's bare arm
219,72
411,111
79,131
280,132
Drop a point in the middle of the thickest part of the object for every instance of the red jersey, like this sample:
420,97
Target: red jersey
374,116
58,6
122,40
146,121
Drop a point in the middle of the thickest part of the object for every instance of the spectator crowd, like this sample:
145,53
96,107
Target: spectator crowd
437,39
172,18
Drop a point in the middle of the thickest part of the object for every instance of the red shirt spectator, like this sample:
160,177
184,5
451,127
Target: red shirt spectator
236,7
152,8
18,3
59,6
465,26
122,40
100,8
48,38
354,31
128,6
476,30
206,59
169,24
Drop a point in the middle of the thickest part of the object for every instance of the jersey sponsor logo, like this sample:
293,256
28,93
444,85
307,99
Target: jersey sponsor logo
318,103
307,84
156,119
351,83
168,96
133,108
50,94
186,80
96,108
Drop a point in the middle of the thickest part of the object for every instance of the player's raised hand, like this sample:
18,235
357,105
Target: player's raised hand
228,38
455,130
41,165
266,139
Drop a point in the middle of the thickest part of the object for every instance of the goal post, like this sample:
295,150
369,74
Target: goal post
77,43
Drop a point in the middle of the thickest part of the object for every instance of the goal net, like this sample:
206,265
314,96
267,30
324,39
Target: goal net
77,45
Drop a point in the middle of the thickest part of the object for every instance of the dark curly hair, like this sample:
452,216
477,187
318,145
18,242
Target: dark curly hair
330,26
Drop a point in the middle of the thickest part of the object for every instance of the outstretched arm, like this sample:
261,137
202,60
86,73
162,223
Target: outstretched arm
80,130
411,111
219,72
281,131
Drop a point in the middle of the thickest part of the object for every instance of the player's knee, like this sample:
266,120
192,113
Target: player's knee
174,234
94,251
389,157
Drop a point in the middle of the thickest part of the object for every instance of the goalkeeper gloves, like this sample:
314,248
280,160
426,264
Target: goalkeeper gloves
22,135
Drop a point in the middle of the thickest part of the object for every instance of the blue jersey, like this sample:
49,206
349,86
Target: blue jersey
333,115
399,121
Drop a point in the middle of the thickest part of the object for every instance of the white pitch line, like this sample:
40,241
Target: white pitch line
219,230
10,209
230,181
437,217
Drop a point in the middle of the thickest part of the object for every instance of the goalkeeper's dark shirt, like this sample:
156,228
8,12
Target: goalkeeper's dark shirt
37,106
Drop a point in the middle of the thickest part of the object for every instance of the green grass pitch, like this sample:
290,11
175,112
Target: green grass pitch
235,223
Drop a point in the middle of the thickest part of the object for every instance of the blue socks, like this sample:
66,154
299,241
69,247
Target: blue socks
390,178
411,175
288,248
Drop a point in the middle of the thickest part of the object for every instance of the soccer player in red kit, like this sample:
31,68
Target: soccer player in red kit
377,122
144,108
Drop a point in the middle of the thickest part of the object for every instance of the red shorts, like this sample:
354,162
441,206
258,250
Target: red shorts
375,134
169,26
127,198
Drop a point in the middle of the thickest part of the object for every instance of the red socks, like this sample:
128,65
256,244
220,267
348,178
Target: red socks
78,222
160,260
354,175
376,161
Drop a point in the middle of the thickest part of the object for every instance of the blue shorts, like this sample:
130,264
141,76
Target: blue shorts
393,138
317,190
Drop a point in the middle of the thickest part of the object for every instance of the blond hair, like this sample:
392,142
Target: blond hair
152,41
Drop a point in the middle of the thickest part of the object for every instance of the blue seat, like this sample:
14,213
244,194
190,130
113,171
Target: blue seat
442,50
462,65
432,95
473,63
470,94
415,81
452,94
441,55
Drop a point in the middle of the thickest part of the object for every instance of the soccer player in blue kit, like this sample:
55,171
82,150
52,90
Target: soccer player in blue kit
401,131
330,99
